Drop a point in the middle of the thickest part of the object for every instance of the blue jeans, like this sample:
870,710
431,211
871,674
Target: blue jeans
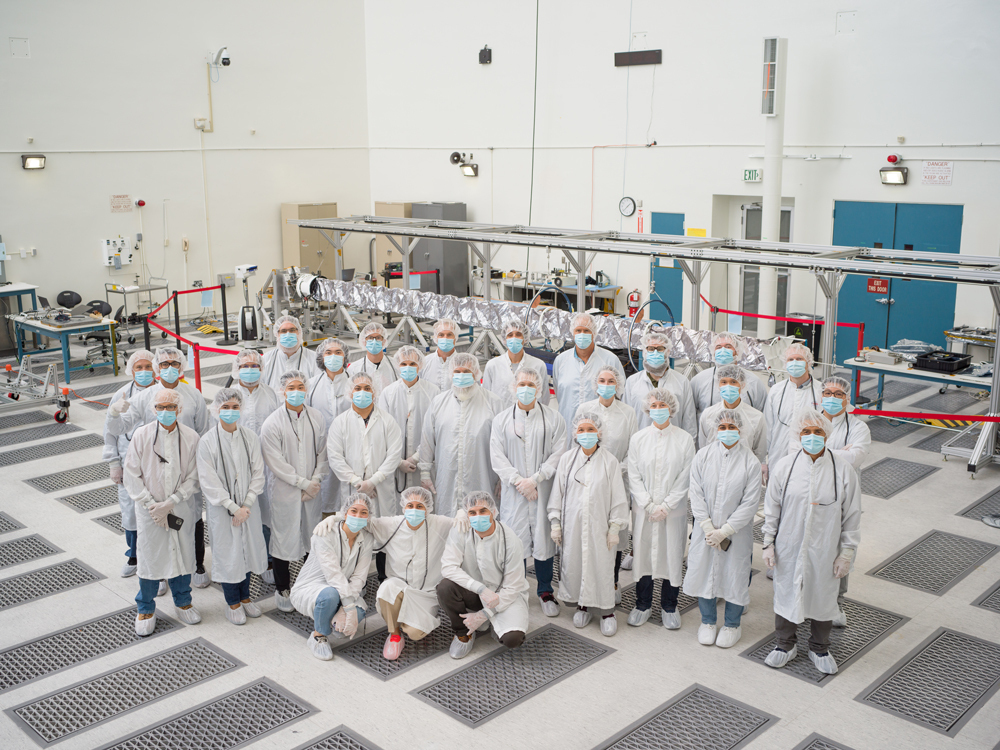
543,574
236,592
267,544
327,604
180,589
130,539
709,614
644,594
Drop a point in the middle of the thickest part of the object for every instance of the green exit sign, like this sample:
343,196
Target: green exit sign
753,175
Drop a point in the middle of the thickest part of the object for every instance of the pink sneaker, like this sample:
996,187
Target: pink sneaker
393,647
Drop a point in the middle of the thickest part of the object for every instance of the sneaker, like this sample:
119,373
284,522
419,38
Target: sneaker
320,647
188,615
459,649
627,562
706,634
728,637
145,627
609,625
825,663
840,619
581,618
201,579
251,609
268,577
236,616
639,617
162,589
671,620
779,657
128,569
618,595
393,647
550,607
992,520
282,601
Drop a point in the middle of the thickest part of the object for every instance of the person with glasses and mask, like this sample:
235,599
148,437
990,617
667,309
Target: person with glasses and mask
498,375
289,354
705,385
657,373
375,362
786,399
437,366
407,401
732,389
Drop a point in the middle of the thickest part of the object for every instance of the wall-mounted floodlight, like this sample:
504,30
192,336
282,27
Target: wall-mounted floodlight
893,175
470,170
32,161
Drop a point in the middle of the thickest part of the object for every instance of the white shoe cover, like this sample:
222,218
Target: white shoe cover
728,637
320,647
283,602
627,562
162,589
840,620
706,634
236,616
251,609
671,620
201,580
267,577
189,616
458,649
145,627
825,664
778,658
609,625
550,608
128,570
639,617
582,618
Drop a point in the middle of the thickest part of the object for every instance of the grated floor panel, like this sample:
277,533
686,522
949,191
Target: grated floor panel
935,562
890,476
61,480
340,738
949,402
74,645
685,603
884,431
819,742
258,589
758,532
47,450
57,715
696,719
25,548
987,505
990,600
104,389
941,684
8,524
101,497
111,522
234,719
866,627
505,677
44,582
896,389
934,442
299,622
366,652
38,433
23,418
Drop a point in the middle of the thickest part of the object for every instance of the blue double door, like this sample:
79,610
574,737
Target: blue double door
666,282
907,309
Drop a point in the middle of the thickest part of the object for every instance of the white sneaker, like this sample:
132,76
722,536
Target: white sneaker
267,577
671,620
778,658
550,608
825,664
201,580
728,637
145,627
627,562
190,616
459,649
706,634
618,595
582,618
639,617
282,601
320,647
251,609
128,570
609,625
162,589
236,616
840,619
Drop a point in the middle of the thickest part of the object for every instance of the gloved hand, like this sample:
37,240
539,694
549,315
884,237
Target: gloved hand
240,516
116,474
328,525
311,490
461,521
489,598
763,473
119,407
658,513
473,620
367,487
427,484
159,512
613,539
769,559
556,534
408,465
716,537
527,487
349,622
841,567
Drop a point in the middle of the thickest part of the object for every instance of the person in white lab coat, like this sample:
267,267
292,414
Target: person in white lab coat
331,585
289,354
125,416
725,493
786,399
657,373
705,385
329,393
161,477
455,446
812,528
659,472
231,474
732,387
574,371
375,362
140,369
588,508
483,582
296,462
499,372
407,401
437,364
526,442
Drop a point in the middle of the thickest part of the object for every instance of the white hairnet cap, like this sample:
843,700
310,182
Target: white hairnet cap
515,326
289,375
589,416
356,498
465,360
410,353
139,355
475,499
798,350
660,394
362,377
728,416
224,395
732,372
808,418
168,396
839,383
586,320
526,372
325,347
288,319
445,324
372,329
417,493
245,358
726,339
619,382
655,338
170,354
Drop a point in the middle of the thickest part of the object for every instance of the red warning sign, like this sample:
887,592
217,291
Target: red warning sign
878,286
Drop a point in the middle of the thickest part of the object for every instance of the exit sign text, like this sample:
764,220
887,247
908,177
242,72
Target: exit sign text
753,175
878,286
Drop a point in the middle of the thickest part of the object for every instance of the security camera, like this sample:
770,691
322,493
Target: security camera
222,57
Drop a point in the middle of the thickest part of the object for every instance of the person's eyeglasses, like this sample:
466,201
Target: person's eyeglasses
165,407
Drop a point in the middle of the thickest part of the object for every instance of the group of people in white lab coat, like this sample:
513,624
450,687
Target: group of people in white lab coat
451,478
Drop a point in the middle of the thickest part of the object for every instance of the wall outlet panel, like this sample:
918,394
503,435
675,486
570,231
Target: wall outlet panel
117,252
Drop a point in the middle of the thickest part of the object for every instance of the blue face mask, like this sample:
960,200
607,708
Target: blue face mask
229,416
587,439
143,377
654,359
288,340
295,398
481,523
728,437
659,415
607,390
414,516
166,418
374,346
832,405
583,340
445,345
729,393
362,399
813,444
355,524
170,375
724,356
462,379
333,362
408,373
515,345
796,368
249,374
526,394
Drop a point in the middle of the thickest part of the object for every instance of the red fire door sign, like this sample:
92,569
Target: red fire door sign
878,286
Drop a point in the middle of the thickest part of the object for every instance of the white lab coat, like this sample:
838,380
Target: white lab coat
588,499
848,430
639,384
333,562
384,373
277,363
357,452
408,405
527,444
116,448
659,472
810,516
412,566
258,405
162,465
783,402
331,398
231,474
496,563
620,424
499,375
294,454
705,388
194,413
725,487
574,380
436,370
754,432
456,444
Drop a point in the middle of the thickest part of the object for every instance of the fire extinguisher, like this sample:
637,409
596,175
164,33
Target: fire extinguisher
634,300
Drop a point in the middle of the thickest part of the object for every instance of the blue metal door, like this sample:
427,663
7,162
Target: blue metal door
667,283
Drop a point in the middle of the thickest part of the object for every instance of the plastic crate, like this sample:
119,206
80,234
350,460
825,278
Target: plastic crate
942,361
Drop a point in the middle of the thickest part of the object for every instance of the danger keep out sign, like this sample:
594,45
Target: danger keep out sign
878,286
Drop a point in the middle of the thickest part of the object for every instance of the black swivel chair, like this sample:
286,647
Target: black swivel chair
101,352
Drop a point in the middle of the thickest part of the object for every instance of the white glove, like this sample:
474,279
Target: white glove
367,487
328,525
428,485
346,621
116,474
311,490
659,513
473,620
613,539
527,487
159,512
841,567
489,598
769,558
119,407
763,473
408,465
716,537
461,521
240,516
556,534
